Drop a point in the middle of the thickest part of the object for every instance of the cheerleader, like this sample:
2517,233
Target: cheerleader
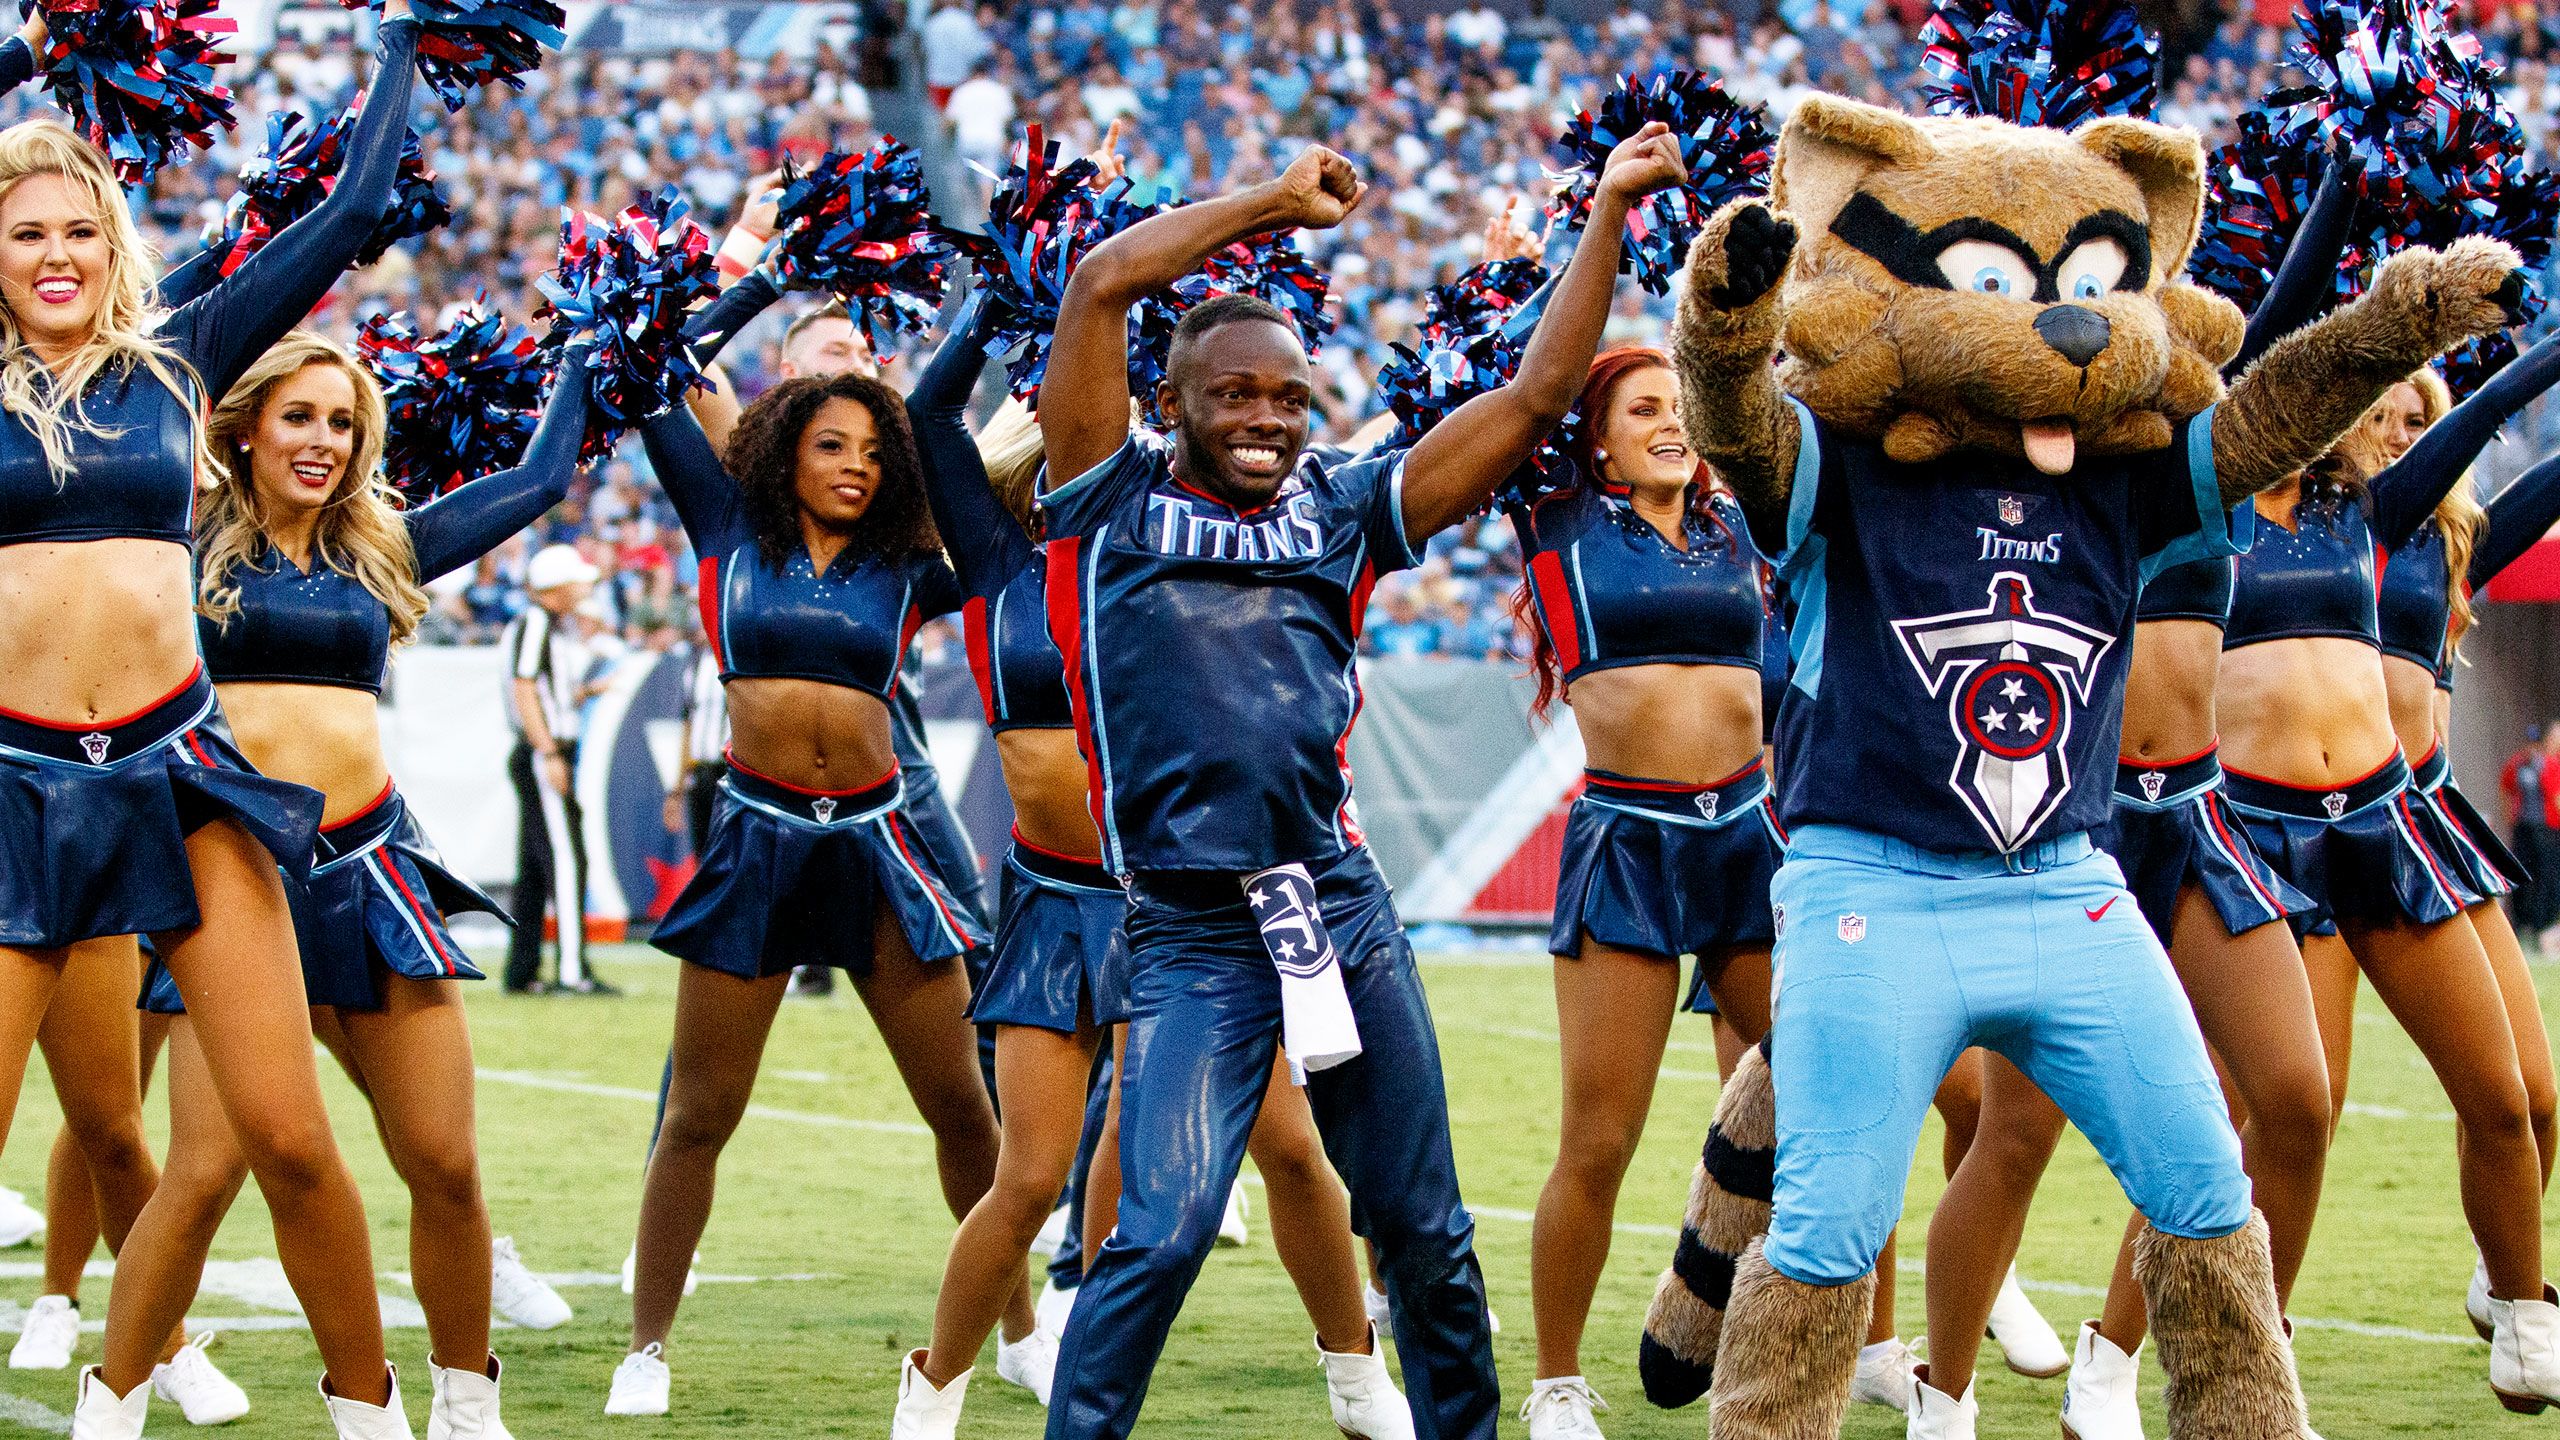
819,560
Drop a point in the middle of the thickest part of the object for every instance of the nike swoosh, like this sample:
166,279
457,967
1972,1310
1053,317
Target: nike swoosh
2100,912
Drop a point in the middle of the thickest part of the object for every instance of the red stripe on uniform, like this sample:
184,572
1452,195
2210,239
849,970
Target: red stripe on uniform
2239,857
707,594
898,837
2427,853
369,807
1555,606
120,721
426,925
1065,581
982,652
1350,823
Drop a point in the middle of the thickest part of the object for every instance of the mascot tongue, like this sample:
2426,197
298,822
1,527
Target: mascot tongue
2050,446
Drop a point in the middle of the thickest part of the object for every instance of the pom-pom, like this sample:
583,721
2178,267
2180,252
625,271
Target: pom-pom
297,170
470,43
627,285
1268,267
856,225
463,402
136,76
2257,189
1474,331
2402,86
1042,220
2039,62
1726,144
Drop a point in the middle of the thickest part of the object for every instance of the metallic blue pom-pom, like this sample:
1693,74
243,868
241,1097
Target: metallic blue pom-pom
463,402
1727,144
470,43
857,225
1474,331
2039,62
628,284
296,171
136,76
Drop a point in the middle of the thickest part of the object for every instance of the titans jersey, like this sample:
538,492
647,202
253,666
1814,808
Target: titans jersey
1209,653
1959,634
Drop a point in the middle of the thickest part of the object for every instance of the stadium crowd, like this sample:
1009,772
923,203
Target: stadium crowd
1452,117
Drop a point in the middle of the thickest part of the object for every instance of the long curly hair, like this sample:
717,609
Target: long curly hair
359,534
764,459
48,399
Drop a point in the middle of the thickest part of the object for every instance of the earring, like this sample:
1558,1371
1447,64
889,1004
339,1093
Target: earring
1600,455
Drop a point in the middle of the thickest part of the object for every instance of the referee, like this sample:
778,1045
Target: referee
706,751
547,662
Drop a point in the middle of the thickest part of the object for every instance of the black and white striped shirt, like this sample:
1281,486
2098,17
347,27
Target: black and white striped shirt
706,711
546,650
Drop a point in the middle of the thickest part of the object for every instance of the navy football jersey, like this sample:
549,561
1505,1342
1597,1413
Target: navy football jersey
1210,651
1960,634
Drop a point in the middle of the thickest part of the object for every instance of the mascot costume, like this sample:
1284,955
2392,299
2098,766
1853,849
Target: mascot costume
1954,372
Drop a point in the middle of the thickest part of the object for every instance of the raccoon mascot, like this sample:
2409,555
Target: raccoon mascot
1953,372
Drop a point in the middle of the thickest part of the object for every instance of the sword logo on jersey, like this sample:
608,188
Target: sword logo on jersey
1283,900
2152,783
95,745
2013,677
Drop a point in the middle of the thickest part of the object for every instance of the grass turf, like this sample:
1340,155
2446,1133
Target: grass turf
828,1195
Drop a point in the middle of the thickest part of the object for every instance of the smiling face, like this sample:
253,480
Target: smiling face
55,259
2398,419
306,436
839,464
1641,444
1241,402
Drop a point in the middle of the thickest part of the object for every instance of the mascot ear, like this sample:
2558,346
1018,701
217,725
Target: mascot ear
2168,165
1831,144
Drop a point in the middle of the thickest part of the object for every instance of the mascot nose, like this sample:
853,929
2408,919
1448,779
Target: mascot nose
2079,333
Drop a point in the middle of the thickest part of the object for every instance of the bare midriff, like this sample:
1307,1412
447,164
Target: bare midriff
810,734
1045,774
1688,724
324,736
2168,691
94,631
2312,711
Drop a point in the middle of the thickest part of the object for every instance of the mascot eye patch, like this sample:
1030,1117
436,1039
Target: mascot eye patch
2105,252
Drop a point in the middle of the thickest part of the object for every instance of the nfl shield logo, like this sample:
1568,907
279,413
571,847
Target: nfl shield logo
1853,928
2334,804
2013,511
824,807
2151,782
96,747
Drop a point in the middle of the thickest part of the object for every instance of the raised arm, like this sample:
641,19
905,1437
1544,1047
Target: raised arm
18,52
464,524
2309,271
987,545
2312,384
2523,513
709,331
234,323
1455,468
1089,357
193,278
2410,488
705,498
1722,341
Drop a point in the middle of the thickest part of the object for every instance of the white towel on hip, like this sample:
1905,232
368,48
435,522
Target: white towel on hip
1316,1026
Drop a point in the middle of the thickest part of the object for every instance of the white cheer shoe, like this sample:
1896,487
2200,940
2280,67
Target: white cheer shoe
2025,1338
2103,1398
1053,1233
631,1271
103,1415
2475,1302
1936,1415
48,1335
1884,1376
520,1295
925,1413
1231,1226
1053,1307
2524,1352
640,1383
358,1421
1561,1409
1366,1404
466,1404
20,1222
192,1382
1029,1362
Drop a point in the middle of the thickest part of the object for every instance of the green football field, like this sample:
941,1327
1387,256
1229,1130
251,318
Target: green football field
822,1257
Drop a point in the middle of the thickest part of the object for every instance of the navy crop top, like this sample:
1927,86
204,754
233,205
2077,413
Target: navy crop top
322,627
1612,592
138,479
2196,590
780,617
2321,577
1021,676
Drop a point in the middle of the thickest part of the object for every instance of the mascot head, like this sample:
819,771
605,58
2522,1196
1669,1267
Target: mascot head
1968,283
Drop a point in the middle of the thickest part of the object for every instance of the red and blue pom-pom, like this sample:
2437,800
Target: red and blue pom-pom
1727,145
296,171
470,43
463,402
1474,331
629,284
2257,189
2039,62
136,76
857,226
2401,85
1268,267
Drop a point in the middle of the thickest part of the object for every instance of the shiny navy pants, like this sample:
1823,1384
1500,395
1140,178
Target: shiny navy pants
1204,1028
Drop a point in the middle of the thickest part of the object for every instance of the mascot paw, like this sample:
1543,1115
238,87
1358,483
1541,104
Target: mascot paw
2470,288
1743,254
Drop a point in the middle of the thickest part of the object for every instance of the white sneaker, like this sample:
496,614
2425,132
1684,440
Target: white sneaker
2026,1340
1381,1314
466,1404
518,1294
631,1270
2524,1352
1884,1376
1053,1307
1561,1409
1231,1228
1366,1404
20,1222
102,1415
1029,1362
2103,1398
48,1335
358,1421
193,1383
925,1413
639,1383
1053,1233
1936,1415
2475,1303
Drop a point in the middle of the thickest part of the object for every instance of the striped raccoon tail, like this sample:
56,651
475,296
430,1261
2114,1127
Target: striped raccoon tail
1728,1208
